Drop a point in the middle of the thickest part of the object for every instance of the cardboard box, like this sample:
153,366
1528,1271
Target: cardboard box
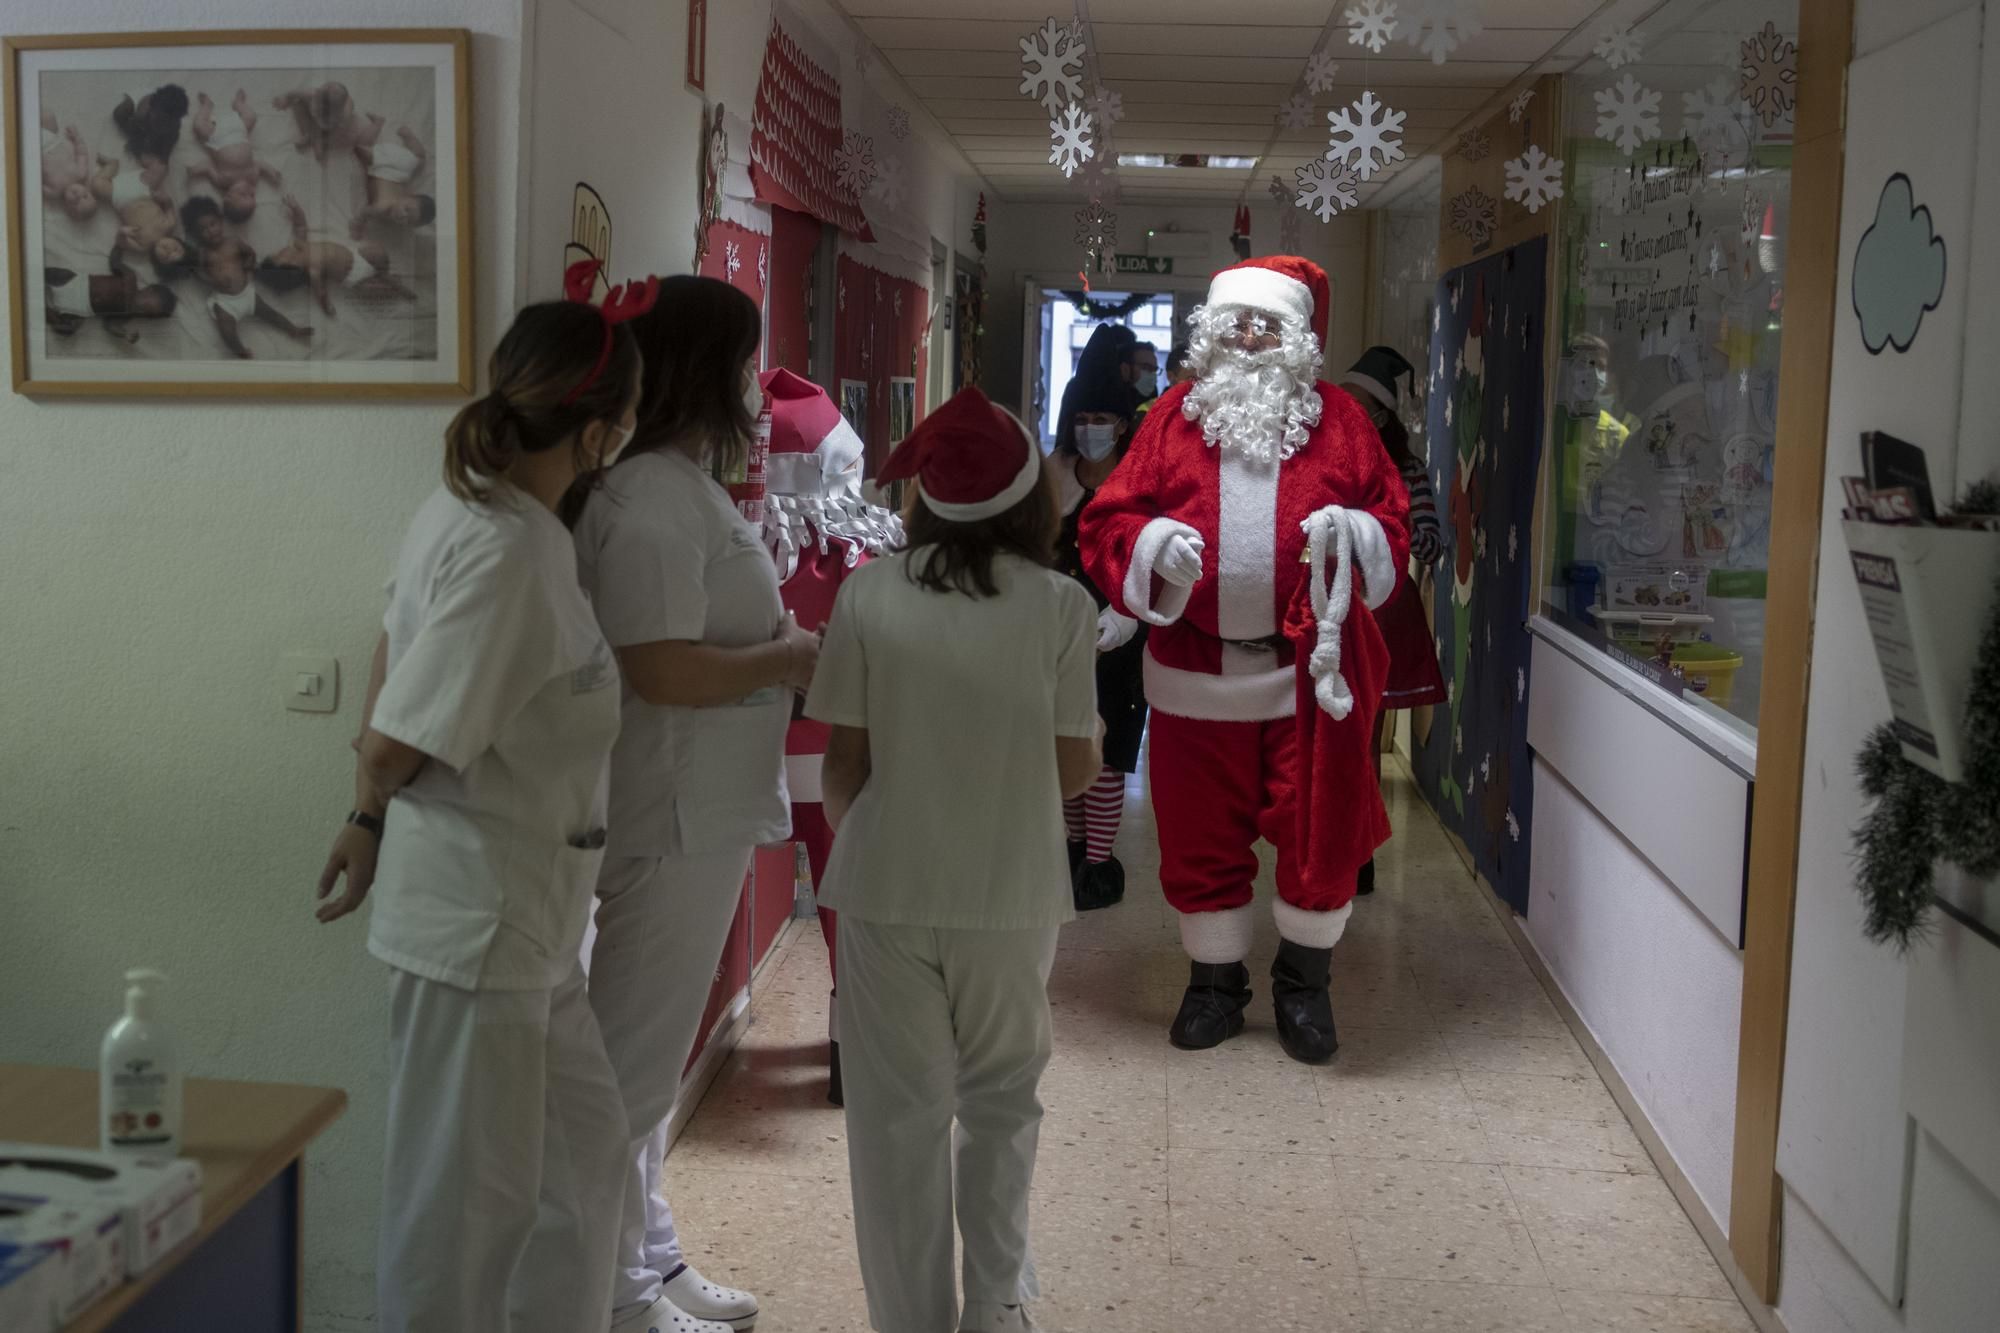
87,1238
159,1198
28,1277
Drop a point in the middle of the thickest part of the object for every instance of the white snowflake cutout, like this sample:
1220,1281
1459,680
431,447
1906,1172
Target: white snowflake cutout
732,258
1440,27
1070,144
1361,139
764,267
1534,179
899,124
1320,70
1520,683
1474,145
1458,739
1107,105
1474,215
1371,24
1519,106
1513,826
1297,112
1326,188
1450,691
1717,114
888,188
1618,45
1770,71
1447,412
1046,57
1486,766
1096,227
854,162
1628,114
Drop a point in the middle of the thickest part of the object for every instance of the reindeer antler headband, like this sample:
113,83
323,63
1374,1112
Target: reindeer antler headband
627,301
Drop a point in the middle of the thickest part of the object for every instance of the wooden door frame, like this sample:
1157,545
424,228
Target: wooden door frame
1805,370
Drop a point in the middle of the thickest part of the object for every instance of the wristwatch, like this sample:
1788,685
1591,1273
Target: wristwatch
372,823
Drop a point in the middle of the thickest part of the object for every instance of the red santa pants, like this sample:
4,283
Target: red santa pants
809,826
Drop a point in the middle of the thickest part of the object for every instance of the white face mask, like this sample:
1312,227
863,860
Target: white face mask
620,437
1096,442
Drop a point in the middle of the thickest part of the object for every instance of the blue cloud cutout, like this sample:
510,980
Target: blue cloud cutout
1898,269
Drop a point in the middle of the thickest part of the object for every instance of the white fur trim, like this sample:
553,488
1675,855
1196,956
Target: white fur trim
1139,574
1371,386
1371,552
802,778
1262,289
1315,930
1263,697
1015,492
1245,552
1218,937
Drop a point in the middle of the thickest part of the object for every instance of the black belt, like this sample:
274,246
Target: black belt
1269,644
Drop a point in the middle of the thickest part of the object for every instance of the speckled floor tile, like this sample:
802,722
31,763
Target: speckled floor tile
1458,1307
1613,1312
1489,1053
1263,1302
1601,1231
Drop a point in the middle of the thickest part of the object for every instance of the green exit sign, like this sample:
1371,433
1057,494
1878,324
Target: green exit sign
1144,263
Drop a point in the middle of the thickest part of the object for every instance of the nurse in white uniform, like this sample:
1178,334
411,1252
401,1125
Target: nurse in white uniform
959,678
479,819
688,597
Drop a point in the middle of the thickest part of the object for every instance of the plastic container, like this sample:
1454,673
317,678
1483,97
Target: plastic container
1709,670
139,1077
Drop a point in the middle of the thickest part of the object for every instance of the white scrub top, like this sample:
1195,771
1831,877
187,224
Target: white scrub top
665,555
960,822
496,670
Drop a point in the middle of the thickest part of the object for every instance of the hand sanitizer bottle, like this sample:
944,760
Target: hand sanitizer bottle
139,1085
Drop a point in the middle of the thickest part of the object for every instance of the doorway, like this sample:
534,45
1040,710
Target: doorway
1061,323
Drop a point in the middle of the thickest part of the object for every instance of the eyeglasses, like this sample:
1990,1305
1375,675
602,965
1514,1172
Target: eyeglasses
1252,332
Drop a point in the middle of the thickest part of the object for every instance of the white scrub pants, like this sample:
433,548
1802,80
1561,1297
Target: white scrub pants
941,1025
661,924
505,1162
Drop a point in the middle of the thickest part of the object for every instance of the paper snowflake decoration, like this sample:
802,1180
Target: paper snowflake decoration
1096,227
1717,113
1770,74
1519,106
1279,190
1320,70
854,163
1326,188
1520,683
899,124
1100,176
1070,143
732,258
1627,114
1107,105
1288,231
889,186
1473,216
1474,145
764,268
1372,23
1447,411
1534,178
1513,826
1362,140
840,296
1297,113
1440,27
1046,58
1618,45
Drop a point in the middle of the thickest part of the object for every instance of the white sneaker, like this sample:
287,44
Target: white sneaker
663,1316
996,1319
704,1299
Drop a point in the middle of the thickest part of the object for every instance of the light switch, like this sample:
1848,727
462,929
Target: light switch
310,683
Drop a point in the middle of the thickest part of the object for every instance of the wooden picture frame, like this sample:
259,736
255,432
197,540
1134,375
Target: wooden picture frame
336,166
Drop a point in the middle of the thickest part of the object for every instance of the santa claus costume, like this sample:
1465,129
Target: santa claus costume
1255,525
819,530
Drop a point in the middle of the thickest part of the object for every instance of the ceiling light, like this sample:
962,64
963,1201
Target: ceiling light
1198,160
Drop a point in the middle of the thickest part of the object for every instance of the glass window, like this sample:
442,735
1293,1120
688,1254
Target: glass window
1672,292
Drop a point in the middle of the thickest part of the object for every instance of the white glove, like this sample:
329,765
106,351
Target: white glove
1179,561
1113,630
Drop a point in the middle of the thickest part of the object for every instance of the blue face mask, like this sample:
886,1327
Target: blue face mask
1096,442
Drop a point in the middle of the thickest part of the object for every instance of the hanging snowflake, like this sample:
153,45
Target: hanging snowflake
1519,106
1288,231
1363,141
1107,105
854,163
1618,45
888,188
1440,27
1326,188
1474,145
732,258
1070,139
1100,176
1627,114
1534,178
1473,216
764,268
1279,190
1320,70
1297,113
1718,114
899,124
1371,24
1096,227
1770,74
1046,58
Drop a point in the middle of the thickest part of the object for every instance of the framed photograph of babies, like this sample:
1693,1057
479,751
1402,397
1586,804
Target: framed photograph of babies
274,214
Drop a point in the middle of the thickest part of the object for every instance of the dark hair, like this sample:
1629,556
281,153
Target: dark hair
196,211
282,277
947,556
1178,359
163,294
427,210
1109,348
155,133
177,270
1100,393
1395,436
695,341
548,352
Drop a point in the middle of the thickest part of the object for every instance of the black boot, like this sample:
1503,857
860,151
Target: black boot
1076,851
1364,882
1098,884
1212,1010
833,1092
1299,978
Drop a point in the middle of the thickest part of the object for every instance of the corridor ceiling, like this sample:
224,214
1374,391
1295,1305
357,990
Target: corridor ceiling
1209,76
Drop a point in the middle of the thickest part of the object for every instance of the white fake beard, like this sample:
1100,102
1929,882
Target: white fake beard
1259,406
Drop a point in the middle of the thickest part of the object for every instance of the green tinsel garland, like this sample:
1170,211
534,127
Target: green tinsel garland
1919,818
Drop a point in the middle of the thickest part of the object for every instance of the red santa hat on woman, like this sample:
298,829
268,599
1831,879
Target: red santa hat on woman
812,446
972,460
1280,284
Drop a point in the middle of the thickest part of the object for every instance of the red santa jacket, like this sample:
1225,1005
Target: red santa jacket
1219,649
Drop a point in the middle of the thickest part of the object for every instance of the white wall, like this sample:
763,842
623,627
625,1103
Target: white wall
1881,1212
1040,239
156,804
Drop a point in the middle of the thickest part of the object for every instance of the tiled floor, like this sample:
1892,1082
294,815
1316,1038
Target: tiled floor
1460,1168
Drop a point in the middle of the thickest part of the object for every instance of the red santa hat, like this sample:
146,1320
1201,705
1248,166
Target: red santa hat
811,442
1279,284
972,459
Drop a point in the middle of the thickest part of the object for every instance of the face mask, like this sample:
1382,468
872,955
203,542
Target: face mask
1096,442
622,436
1147,385
753,397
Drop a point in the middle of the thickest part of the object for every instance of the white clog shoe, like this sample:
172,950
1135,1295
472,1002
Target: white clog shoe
663,1316
705,1300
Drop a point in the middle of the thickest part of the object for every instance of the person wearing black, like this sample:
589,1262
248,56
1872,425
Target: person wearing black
1093,430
